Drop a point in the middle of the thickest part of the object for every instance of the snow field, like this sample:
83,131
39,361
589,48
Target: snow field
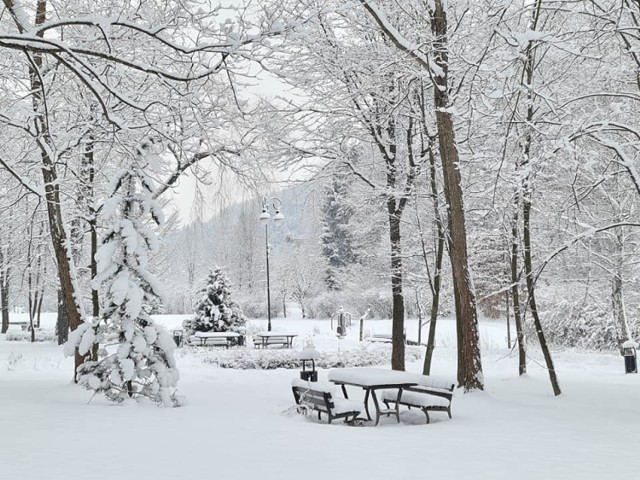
239,424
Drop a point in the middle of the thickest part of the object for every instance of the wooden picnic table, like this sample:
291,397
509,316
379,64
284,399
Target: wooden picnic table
276,338
372,379
216,338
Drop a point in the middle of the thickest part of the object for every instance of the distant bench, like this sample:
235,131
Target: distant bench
384,337
221,339
22,325
319,397
264,340
430,395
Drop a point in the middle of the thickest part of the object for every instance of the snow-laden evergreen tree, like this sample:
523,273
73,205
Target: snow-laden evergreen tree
215,311
135,357
337,238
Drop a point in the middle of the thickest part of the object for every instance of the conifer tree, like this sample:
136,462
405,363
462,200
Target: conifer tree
135,358
215,311
337,238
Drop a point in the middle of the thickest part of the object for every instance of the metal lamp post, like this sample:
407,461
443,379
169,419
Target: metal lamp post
276,204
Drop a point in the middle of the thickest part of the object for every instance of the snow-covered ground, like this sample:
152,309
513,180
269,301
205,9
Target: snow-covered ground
239,424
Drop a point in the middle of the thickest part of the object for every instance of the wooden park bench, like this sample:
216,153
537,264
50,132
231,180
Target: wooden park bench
385,337
321,398
430,395
23,325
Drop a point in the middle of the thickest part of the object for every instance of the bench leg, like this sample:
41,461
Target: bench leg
427,415
449,411
319,416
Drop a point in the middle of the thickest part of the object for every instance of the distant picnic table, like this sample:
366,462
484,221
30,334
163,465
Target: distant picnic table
275,338
216,338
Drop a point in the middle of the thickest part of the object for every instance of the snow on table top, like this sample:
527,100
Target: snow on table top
216,334
371,377
378,376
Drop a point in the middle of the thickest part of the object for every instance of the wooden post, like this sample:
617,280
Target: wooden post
361,327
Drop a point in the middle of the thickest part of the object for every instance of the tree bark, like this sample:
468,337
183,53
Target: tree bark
527,201
397,328
532,299
469,362
4,299
62,322
437,274
515,288
57,230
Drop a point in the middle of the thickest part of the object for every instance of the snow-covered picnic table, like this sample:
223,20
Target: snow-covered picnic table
216,338
276,338
372,379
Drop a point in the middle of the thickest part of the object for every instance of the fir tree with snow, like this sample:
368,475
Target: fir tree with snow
135,356
337,238
215,311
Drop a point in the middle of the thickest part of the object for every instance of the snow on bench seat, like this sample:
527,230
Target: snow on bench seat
321,397
415,398
431,394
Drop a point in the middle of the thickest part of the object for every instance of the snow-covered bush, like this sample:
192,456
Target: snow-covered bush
25,336
570,324
215,311
135,358
269,359
356,303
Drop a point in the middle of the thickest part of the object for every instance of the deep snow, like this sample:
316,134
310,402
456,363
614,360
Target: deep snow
240,424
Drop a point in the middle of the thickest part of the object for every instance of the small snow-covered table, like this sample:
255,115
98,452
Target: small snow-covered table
372,379
276,338
216,338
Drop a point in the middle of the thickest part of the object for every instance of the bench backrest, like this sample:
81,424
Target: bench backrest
320,400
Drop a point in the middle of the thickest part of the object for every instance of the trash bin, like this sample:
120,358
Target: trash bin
177,337
629,354
309,355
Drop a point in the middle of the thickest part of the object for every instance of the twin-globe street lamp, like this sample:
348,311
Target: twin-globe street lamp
267,204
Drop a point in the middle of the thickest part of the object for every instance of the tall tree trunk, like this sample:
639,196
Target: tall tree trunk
469,362
527,201
437,276
4,299
515,288
397,328
59,238
528,266
62,322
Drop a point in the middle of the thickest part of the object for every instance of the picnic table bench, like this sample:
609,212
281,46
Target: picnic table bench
222,339
23,325
274,338
430,394
385,337
321,398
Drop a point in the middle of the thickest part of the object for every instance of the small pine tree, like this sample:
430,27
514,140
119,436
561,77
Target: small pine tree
136,358
215,311
337,239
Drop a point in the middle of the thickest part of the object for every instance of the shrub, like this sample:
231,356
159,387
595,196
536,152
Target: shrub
24,336
247,359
